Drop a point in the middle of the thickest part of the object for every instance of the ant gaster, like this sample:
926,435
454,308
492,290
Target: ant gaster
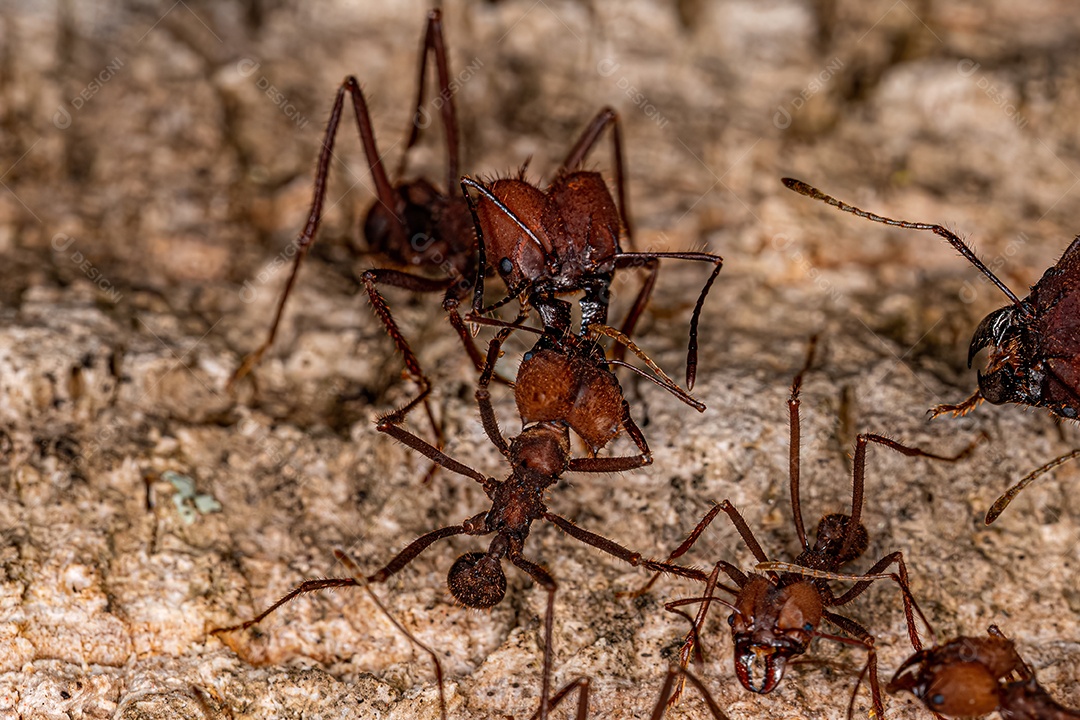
1034,343
775,615
974,676
538,457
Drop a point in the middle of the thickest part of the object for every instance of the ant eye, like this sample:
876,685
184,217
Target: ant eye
808,627
937,699
731,619
505,266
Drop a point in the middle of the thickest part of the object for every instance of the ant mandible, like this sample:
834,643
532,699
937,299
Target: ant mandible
775,615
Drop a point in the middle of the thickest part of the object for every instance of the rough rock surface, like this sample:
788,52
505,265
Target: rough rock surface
155,165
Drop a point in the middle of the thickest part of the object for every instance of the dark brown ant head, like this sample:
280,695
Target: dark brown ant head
477,580
963,688
554,386
770,625
831,534
542,449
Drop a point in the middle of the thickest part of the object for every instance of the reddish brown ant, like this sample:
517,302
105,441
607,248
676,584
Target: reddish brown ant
565,239
974,676
1034,343
538,456
775,615
412,223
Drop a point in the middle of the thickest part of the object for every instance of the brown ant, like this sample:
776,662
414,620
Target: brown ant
538,457
1034,343
564,239
411,223
973,676
775,615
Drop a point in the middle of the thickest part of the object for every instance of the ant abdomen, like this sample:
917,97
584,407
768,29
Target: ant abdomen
477,580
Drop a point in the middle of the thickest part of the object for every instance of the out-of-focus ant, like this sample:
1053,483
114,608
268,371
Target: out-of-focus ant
538,457
776,614
1034,343
412,223
974,676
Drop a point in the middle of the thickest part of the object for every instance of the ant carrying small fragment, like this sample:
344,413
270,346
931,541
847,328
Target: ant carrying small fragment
974,676
775,615
538,457
563,239
1034,343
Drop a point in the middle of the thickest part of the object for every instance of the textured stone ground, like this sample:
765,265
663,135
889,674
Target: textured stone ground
156,158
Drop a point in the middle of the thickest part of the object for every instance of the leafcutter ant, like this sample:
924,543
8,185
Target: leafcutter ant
565,239
974,676
538,457
1034,343
775,615
412,223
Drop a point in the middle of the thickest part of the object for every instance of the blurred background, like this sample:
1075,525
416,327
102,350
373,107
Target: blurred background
156,162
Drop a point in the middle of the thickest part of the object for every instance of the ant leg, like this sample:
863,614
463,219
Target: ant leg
544,579
795,443
483,395
385,191
859,475
960,409
618,464
865,639
580,684
613,548
663,702
354,569
607,116
623,259
435,45
911,608
744,530
678,552
1003,502
413,283
401,560
386,425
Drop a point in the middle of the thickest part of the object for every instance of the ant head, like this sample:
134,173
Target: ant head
561,385
955,687
477,580
830,538
519,256
542,449
1000,331
770,626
